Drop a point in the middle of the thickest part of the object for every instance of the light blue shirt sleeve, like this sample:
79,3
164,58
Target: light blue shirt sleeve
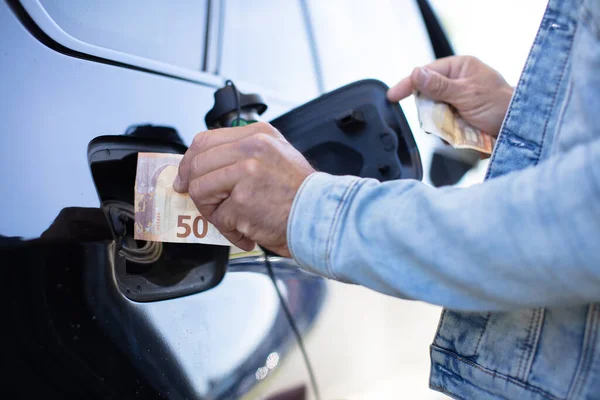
530,238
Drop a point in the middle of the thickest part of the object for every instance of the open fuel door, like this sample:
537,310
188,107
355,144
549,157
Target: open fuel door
354,130
147,271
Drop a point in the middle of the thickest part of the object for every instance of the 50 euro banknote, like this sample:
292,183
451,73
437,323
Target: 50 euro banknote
443,120
161,213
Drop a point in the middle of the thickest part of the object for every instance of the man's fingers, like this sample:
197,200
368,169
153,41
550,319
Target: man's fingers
226,220
434,85
244,243
239,240
212,195
209,190
214,159
400,90
447,67
210,139
230,153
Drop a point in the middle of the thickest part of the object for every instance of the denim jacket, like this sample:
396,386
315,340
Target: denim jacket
515,260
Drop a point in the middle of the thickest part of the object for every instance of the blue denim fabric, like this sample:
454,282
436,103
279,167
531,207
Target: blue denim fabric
515,260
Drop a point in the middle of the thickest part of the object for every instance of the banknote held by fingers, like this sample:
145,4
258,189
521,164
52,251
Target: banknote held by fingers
243,181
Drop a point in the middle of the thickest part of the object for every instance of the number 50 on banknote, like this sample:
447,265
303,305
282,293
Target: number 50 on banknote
200,233
162,214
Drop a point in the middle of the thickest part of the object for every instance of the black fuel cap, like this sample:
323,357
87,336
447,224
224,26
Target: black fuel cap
226,101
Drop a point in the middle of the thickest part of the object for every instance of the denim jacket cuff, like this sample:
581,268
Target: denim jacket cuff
314,218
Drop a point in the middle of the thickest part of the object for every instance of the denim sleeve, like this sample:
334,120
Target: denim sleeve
530,238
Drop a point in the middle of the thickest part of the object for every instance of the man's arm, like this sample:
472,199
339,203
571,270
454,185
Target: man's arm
530,238
525,239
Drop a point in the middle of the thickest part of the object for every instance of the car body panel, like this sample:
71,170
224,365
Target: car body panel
47,163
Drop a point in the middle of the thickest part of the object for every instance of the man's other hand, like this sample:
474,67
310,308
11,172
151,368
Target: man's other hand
243,180
478,92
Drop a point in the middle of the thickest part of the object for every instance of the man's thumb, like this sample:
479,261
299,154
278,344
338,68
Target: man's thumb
433,84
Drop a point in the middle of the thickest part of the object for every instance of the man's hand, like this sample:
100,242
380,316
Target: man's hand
477,91
243,180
